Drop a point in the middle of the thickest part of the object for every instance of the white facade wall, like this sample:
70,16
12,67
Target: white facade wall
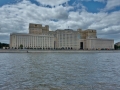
99,44
67,39
31,41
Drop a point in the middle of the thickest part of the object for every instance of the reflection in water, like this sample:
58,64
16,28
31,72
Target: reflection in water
59,71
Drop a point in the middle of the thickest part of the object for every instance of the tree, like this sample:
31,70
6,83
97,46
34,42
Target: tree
116,47
21,46
0,45
3,45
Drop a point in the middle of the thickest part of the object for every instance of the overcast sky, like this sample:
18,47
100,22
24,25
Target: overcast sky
101,15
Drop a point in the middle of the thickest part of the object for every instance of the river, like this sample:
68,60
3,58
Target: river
60,71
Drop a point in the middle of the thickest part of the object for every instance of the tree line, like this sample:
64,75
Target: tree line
3,45
116,47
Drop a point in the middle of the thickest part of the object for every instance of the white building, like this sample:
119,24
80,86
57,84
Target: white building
41,37
67,39
31,41
99,43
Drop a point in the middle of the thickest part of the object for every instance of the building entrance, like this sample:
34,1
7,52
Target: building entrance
81,45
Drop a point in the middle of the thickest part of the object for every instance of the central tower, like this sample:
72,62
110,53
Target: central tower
38,29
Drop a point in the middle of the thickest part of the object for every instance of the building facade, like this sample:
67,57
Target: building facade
99,44
41,37
31,41
67,39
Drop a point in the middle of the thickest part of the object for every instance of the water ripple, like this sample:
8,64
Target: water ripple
59,71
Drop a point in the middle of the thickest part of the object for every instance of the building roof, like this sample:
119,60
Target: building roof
26,34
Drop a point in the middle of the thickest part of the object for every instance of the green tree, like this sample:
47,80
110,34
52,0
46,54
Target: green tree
0,45
3,45
21,46
116,47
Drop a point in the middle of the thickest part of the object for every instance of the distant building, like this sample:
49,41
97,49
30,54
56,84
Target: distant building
40,37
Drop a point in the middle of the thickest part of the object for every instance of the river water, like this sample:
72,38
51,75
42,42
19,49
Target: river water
60,71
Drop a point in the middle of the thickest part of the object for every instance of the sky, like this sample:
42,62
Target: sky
100,15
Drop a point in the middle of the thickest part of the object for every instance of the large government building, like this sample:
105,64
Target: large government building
40,37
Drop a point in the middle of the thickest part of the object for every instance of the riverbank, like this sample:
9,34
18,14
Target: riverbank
56,51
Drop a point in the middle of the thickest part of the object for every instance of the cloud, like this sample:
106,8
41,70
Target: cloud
111,4
112,29
52,2
16,18
106,21
93,0
4,37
